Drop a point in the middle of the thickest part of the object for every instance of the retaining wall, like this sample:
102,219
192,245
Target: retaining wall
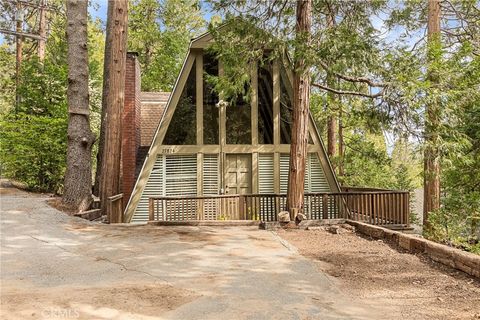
455,258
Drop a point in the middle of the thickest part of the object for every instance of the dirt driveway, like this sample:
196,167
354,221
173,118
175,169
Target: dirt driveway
376,273
58,267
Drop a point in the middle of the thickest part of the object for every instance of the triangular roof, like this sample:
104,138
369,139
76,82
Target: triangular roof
200,42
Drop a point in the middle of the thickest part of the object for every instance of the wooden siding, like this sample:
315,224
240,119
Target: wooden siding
265,158
172,175
266,182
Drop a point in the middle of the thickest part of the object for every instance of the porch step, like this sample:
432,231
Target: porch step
90,214
216,223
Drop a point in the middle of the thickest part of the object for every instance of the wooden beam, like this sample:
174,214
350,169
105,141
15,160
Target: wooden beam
254,102
158,138
276,172
231,148
199,96
223,131
276,103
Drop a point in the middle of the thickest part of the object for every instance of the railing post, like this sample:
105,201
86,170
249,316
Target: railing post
109,211
151,209
325,206
407,211
241,207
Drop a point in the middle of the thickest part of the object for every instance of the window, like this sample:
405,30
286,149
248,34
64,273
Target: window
210,99
265,104
286,107
183,126
239,124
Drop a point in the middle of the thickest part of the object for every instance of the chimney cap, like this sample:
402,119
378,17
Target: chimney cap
132,53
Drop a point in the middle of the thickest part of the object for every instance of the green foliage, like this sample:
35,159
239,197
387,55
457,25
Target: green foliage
33,134
33,150
458,221
7,74
160,31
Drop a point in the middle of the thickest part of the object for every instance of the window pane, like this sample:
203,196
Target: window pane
210,99
183,127
239,125
286,107
265,104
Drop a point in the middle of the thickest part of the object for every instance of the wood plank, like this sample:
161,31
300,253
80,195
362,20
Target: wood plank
150,210
199,96
325,206
254,102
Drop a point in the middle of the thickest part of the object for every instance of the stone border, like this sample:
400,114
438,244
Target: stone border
451,257
304,224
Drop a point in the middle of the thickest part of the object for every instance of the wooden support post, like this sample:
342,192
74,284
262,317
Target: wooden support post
151,209
407,222
325,206
241,207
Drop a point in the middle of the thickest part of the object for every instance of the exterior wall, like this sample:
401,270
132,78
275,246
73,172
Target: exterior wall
267,175
177,175
130,125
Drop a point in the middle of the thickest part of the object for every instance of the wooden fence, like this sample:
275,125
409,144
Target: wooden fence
374,207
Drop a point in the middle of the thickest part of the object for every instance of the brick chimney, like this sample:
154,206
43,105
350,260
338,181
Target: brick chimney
130,125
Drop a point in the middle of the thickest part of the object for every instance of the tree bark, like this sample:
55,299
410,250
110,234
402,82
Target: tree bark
19,52
341,148
78,177
432,153
106,85
332,119
116,43
299,141
42,31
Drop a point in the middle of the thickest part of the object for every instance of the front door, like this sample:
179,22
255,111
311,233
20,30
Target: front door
238,174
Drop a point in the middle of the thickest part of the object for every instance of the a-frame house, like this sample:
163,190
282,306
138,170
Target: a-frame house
203,148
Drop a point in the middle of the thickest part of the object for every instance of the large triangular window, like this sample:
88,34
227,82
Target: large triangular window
183,126
265,104
210,99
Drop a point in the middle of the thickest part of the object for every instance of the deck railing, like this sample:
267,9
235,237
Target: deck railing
374,207
115,208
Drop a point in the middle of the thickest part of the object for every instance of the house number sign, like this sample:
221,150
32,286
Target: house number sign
168,150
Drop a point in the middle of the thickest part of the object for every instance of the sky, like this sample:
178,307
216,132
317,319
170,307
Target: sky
98,9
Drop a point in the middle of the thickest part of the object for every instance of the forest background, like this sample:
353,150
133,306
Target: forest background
379,137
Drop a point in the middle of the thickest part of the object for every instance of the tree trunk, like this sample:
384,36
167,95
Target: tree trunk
19,52
78,177
341,148
114,100
106,85
332,119
42,31
432,153
301,95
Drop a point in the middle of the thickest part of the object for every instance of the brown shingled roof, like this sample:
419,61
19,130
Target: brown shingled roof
153,104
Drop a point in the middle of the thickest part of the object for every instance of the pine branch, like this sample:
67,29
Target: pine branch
351,93
368,81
